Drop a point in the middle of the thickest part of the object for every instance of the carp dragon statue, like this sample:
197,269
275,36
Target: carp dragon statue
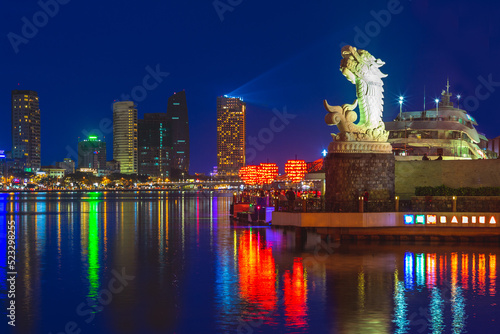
363,70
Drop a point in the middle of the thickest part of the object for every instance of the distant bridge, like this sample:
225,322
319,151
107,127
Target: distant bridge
207,184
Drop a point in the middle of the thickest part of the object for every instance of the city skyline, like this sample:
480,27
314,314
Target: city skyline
287,65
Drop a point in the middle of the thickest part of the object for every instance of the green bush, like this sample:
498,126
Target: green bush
465,191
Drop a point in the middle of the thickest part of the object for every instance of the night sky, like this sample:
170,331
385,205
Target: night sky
281,55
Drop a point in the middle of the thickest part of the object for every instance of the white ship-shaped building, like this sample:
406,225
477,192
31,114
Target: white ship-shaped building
444,130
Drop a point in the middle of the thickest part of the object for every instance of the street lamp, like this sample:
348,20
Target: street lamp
400,106
458,101
437,104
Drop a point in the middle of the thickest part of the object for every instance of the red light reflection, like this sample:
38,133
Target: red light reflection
481,275
257,272
493,274
454,268
296,295
431,270
465,271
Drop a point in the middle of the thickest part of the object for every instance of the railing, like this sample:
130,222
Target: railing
417,204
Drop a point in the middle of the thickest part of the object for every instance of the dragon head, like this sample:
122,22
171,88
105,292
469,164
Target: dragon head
360,63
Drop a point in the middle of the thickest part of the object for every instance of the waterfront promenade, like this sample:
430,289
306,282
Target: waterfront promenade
405,226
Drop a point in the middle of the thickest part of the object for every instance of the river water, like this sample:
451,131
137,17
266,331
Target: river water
173,263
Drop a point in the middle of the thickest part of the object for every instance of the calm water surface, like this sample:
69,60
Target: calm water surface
173,263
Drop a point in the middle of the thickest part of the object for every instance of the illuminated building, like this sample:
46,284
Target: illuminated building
444,130
112,167
92,153
249,175
315,166
3,164
26,129
154,145
494,145
267,173
125,136
296,170
52,171
230,136
68,165
177,113
262,174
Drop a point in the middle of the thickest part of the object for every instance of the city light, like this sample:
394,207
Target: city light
400,106
267,173
249,174
296,170
431,219
409,219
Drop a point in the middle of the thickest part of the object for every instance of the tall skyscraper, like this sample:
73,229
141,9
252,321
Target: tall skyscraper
155,145
92,153
230,136
125,136
177,113
26,146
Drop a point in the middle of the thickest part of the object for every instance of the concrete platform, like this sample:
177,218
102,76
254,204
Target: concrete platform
396,226
388,219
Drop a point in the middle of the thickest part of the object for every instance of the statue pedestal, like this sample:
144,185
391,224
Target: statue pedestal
352,168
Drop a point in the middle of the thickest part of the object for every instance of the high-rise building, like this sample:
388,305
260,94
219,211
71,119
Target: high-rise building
154,145
230,136
68,165
177,113
92,153
3,163
26,146
125,136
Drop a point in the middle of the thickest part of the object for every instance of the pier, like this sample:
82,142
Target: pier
410,226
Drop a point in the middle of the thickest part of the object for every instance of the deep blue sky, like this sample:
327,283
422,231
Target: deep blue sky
274,54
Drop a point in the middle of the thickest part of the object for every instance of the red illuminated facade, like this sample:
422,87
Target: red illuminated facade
249,175
267,173
262,174
296,170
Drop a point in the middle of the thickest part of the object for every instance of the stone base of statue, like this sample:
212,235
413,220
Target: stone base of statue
353,167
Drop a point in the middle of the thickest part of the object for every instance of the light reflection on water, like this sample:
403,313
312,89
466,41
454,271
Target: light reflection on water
194,272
